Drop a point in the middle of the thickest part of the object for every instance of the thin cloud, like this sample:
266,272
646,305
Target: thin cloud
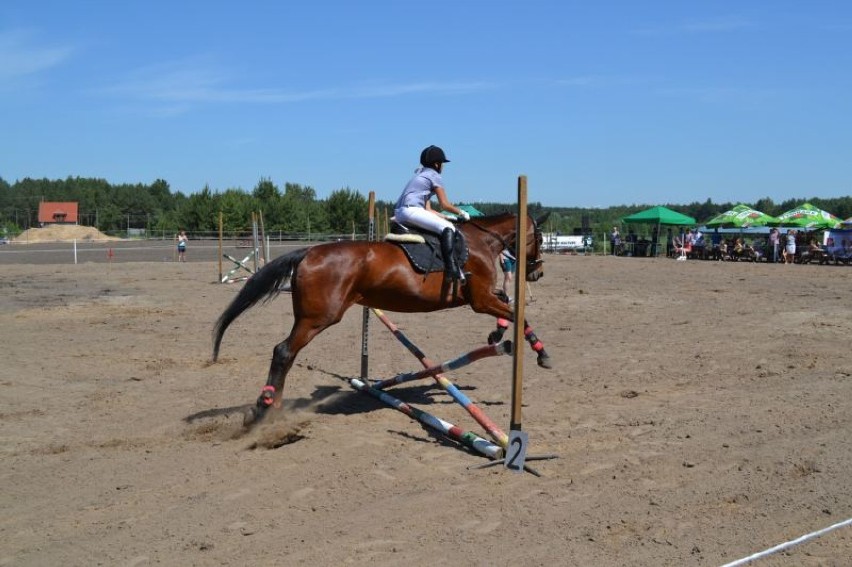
194,82
21,56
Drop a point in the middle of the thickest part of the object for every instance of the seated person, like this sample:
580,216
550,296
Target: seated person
681,248
813,252
724,250
739,249
753,253
832,251
846,251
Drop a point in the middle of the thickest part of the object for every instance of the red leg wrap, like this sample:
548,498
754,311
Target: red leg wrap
533,340
267,395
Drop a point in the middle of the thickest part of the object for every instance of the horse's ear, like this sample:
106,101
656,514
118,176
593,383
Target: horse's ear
542,219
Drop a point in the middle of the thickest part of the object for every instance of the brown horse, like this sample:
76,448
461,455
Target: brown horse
328,279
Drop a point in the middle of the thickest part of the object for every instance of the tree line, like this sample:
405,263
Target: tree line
293,209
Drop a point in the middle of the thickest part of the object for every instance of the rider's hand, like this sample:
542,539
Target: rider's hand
464,215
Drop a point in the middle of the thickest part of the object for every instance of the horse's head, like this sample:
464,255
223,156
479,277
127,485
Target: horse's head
535,262
501,233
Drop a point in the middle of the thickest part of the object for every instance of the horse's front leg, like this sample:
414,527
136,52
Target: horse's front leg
499,307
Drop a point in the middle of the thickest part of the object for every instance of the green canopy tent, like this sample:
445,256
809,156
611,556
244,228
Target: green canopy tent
741,216
659,216
471,210
807,217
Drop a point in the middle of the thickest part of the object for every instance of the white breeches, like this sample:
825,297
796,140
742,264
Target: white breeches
423,219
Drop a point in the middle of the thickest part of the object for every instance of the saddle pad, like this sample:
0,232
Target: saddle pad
426,257
413,238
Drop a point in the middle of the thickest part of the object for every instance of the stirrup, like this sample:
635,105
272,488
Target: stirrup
452,277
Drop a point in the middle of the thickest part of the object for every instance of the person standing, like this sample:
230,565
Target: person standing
181,246
507,265
413,206
615,241
790,247
773,244
716,241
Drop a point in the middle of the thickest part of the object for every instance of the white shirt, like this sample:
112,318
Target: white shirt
420,188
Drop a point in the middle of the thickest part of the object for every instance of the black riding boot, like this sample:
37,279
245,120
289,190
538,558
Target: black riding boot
447,250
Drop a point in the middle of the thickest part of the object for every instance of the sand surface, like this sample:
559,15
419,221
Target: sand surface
702,412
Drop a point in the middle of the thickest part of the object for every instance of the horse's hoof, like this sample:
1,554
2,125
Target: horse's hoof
252,415
494,337
544,361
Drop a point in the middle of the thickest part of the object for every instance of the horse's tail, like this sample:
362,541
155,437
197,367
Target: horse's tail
265,284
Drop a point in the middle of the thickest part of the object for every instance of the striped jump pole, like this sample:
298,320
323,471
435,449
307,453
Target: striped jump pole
492,428
466,438
487,351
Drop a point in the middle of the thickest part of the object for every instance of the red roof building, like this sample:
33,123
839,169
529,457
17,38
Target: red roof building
57,213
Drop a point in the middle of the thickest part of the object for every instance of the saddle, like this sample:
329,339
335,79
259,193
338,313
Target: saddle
423,248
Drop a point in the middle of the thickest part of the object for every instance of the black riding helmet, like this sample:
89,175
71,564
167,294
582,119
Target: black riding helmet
432,155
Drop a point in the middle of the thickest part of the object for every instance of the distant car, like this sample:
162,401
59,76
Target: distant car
4,240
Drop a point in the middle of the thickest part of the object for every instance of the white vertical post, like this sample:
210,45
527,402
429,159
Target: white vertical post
365,319
517,449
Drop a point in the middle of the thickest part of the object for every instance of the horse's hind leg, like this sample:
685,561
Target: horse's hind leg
283,356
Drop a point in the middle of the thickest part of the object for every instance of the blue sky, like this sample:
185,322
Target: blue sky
598,103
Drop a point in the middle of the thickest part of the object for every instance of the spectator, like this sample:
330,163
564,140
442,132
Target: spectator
507,265
615,241
716,240
790,247
631,242
181,246
773,245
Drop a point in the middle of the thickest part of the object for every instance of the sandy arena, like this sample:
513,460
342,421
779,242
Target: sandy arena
701,410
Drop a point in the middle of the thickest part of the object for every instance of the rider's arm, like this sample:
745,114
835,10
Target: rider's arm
445,203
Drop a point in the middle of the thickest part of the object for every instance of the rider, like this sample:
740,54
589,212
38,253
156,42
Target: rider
414,207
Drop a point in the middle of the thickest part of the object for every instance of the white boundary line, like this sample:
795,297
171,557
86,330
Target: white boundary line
788,544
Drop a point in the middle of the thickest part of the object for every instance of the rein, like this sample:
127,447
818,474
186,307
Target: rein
490,232
503,241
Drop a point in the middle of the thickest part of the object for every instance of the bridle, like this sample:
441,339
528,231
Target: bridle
534,261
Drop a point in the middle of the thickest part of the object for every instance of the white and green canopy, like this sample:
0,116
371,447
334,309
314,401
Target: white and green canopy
808,217
741,216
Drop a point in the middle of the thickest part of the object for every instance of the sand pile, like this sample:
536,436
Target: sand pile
59,232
